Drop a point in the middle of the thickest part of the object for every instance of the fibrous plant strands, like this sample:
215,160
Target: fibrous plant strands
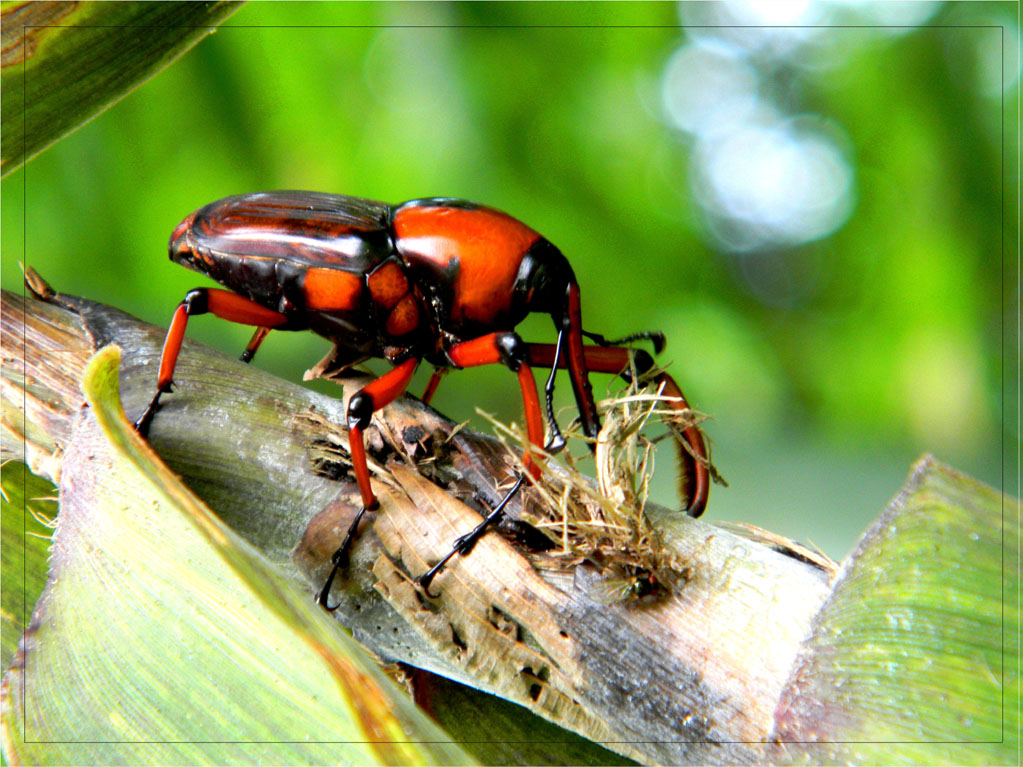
330,453
808,553
605,523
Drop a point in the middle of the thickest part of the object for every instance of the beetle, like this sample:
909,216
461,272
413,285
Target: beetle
435,279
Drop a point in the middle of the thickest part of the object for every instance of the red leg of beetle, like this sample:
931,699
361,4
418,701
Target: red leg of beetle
534,418
254,344
224,304
506,348
171,347
357,447
577,364
497,348
372,397
479,351
695,479
615,359
431,387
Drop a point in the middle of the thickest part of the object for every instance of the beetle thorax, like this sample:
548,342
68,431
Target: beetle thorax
466,260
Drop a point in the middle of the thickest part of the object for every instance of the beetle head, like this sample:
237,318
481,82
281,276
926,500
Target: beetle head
546,283
542,283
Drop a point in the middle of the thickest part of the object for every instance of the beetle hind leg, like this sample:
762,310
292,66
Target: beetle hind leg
222,303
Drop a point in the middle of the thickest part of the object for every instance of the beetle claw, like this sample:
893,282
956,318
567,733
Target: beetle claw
323,598
464,544
424,582
144,420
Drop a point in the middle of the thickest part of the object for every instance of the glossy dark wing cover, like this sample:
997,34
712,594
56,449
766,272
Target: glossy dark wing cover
310,229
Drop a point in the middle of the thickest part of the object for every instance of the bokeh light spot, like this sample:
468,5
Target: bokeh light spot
707,86
771,183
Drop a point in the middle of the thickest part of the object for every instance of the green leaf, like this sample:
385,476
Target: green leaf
163,637
496,731
64,63
28,509
914,658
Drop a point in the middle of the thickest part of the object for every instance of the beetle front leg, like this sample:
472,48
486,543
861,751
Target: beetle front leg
372,397
222,303
693,456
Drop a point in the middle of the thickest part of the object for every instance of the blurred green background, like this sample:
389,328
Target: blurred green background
808,199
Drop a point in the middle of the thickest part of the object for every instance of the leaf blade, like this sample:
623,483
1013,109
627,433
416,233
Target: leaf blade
65,63
154,607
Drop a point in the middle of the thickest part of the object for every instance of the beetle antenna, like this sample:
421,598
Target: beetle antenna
656,337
